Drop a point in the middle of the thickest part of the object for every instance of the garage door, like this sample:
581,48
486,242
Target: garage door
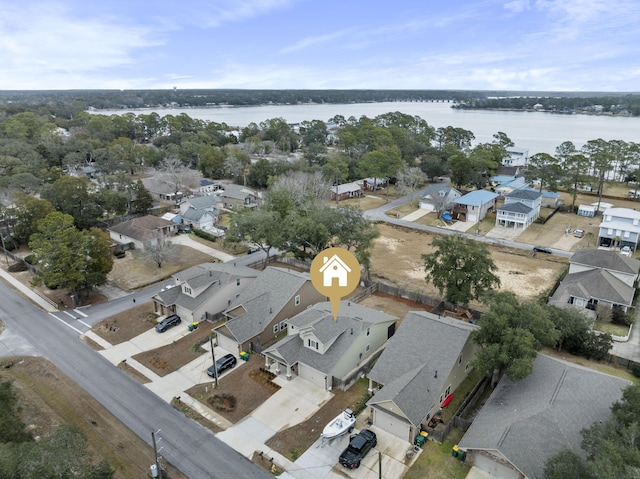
312,375
494,468
228,344
392,424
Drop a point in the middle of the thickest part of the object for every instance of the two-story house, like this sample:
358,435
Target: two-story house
474,206
330,353
421,366
598,277
260,313
517,156
619,227
520,209
203,291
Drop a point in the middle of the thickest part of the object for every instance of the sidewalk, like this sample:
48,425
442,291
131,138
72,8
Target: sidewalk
185,240
39,300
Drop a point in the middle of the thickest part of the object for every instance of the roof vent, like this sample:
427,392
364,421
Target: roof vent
351,330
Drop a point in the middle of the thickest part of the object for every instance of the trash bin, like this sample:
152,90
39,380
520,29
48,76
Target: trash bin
419,440
244,356
454,451
462,455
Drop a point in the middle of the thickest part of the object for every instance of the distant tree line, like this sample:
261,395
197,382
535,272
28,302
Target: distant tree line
609,104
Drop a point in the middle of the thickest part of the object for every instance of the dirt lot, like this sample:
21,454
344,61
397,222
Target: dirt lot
135,270
396,258
49,398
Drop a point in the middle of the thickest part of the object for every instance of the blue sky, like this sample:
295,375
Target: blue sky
575,45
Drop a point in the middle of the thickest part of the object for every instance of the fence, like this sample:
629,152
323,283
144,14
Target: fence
17,259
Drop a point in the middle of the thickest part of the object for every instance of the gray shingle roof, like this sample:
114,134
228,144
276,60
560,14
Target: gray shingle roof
597,284
525,194
202,202
606,260
531,420
263,300
424,343
319,319
515,208
210,276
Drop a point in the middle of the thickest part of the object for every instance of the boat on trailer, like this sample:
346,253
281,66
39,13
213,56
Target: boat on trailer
344,422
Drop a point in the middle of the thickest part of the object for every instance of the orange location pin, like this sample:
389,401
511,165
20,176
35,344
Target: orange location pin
335,273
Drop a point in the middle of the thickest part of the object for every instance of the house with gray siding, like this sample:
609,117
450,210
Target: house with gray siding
525,423
422,364
203,291
474,206
438,197
330,353
142,231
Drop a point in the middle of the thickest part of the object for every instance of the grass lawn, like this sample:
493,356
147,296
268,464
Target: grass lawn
436,461
364,203
613,329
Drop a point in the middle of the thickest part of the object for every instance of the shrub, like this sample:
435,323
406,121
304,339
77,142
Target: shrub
17,267
619,316
119,253
205,235
635,370
31,259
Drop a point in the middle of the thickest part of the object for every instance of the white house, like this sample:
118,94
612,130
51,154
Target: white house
142,231
520,209
619,227
474,206
517,156
438,197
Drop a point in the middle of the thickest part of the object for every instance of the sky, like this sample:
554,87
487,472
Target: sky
533,45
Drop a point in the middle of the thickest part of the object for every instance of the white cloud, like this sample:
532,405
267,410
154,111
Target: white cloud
233,11
518,6
316,40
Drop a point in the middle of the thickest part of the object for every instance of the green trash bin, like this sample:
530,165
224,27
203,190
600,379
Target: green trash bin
455,450
462,455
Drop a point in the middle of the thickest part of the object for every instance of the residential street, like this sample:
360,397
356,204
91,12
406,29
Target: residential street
190,447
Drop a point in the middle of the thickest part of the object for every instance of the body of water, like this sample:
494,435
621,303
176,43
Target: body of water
537,131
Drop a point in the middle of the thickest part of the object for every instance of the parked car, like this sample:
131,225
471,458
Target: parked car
578,233
625,251
222,364
359,446
168,322
542,249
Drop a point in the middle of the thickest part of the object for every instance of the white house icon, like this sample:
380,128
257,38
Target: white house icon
334,268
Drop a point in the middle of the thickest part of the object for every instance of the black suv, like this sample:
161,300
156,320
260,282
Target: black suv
359,446
168,322
542,249
225,362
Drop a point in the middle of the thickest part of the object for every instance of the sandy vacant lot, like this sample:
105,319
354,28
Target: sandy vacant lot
396,258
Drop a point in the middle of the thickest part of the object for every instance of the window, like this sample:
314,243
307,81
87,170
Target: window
313,344
283,325
275,328
626,234
447,391
460,359
610,231
368,331
187,290
297,300
441,398
238,282
367,348
466,367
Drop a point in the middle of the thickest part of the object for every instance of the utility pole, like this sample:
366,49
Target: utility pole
213,356
155,453
379,465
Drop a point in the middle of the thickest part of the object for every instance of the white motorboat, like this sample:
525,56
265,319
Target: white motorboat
342,423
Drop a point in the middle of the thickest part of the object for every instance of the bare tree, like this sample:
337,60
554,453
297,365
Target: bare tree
177,175
160,250
409,179
303,185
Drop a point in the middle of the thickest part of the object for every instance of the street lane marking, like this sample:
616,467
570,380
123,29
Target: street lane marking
82,322
81,313
66,324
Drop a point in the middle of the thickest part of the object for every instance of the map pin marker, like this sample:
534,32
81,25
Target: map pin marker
335,273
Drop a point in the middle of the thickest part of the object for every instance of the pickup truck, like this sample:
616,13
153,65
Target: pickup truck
359,446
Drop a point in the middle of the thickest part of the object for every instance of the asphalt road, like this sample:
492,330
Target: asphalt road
187,445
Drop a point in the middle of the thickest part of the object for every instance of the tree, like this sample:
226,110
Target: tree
336,170
74,196
141,200
69,258
575,167
409,179
546,168
599,153
160,250
460,267
566,465
383,163
27,211
510,335
259,227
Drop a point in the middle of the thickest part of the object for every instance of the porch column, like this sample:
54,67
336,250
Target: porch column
266,362
289,372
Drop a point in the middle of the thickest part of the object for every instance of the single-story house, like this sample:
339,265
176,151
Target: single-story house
208,186
422,364
345,191
162,190
475,205
232,196
372,184
203,291
587,210
330,353
142,231
525,423
260,313
438,197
